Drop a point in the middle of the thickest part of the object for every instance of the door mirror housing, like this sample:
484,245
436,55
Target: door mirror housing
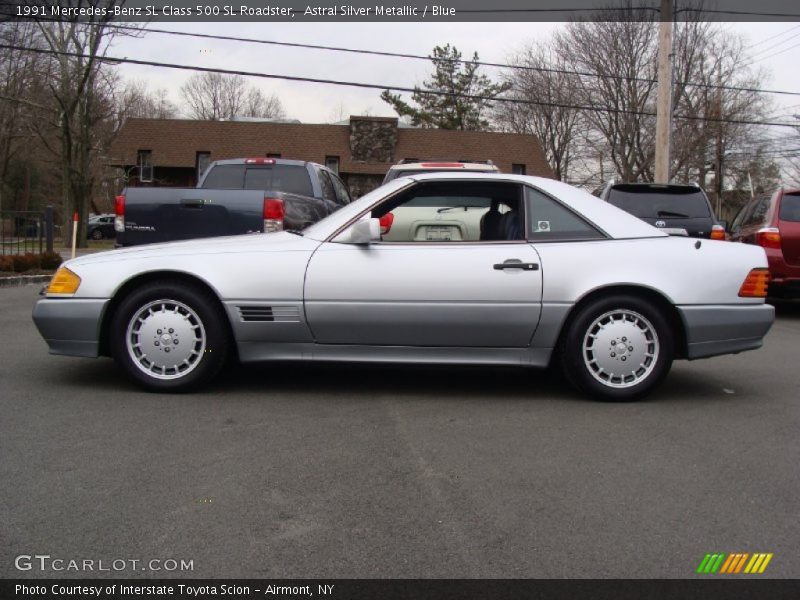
361,232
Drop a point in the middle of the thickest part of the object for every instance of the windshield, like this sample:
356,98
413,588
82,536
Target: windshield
662,203
325,227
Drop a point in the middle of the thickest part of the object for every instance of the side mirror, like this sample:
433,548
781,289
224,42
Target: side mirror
360,232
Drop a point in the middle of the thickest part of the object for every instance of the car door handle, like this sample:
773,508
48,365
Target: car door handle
513,263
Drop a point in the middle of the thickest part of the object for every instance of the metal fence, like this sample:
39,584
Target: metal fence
24,231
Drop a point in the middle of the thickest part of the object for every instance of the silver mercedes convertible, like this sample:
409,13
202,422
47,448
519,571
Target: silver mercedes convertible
446,268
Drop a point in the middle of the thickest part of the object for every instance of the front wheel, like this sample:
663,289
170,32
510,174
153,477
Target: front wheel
96,234
170,336
617,348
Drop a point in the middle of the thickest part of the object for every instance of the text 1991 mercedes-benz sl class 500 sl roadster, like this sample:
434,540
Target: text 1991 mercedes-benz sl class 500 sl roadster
466,268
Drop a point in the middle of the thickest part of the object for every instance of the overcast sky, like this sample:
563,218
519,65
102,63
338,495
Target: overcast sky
315,103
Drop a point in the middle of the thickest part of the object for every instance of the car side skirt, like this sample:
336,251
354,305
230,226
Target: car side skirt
258,351
725,329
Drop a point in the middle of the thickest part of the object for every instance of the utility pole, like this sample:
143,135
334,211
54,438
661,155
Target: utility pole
719,148
664,98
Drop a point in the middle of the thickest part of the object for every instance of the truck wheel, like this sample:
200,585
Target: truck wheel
617,348
170,336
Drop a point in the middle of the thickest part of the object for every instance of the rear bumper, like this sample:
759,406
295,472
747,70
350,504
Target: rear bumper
725,329
70,326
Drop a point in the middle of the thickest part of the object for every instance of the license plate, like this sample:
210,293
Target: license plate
438,234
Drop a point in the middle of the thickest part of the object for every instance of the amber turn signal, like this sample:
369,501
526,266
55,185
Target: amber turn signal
755,284
64,282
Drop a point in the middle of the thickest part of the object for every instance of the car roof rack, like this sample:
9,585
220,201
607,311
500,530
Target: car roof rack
407,161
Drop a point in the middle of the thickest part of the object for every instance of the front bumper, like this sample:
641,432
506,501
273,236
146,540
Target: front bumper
725,329
70,326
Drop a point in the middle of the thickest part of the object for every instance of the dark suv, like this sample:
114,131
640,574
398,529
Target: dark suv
773,222
678,208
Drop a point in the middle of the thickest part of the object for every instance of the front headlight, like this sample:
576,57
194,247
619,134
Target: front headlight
64,282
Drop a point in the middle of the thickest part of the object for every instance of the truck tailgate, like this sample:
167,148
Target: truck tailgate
167,214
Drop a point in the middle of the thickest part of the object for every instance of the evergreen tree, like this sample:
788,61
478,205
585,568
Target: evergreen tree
462,100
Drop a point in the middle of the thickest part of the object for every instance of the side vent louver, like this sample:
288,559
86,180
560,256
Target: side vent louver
263,314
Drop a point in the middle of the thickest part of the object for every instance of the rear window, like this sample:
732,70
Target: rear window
679,203
282,178
790,208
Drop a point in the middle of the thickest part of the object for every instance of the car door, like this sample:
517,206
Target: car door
437,283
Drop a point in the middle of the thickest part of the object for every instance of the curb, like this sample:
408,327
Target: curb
23,280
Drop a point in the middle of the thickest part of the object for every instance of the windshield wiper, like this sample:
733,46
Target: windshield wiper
669,213
464,206
294,232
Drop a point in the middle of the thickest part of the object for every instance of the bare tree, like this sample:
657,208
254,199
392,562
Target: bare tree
214,96
80,101
620,54
137,101
545,92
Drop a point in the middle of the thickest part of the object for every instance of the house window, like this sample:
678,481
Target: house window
273,154
201,163
518,169
144,161
332,162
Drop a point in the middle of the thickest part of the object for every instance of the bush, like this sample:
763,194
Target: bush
25,262
50,260
6,263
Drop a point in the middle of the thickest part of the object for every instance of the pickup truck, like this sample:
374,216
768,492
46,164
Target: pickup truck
245,195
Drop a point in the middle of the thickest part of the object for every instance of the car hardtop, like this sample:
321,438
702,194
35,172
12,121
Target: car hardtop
615,222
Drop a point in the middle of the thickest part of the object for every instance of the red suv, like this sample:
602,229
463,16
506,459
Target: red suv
773,222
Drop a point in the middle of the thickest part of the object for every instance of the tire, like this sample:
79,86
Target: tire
96,234
627,330
164,322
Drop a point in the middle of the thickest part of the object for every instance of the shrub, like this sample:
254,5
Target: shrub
50,260
25,262
6,263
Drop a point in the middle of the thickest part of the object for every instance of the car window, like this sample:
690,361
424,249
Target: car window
549,220
741,216
644,202
759,213
790,207
225,177
293,179
342,194
451,211
327,186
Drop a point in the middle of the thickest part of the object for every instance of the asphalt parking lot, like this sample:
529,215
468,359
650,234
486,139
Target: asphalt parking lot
352,471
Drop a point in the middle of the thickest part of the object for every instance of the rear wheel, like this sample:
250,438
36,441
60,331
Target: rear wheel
170,336
617,348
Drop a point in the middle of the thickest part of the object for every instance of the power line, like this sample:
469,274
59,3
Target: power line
772,39
763,58
428,58
773,46
149,63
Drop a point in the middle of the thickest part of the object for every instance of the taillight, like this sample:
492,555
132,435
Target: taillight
274,213
755,284
386,222
443,165
768,237
717,232
119,211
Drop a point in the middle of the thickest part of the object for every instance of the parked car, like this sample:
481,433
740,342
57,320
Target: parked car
679,209
245,195
415,167
611,298
772,221
101,227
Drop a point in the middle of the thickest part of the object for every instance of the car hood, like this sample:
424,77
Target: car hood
258,242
